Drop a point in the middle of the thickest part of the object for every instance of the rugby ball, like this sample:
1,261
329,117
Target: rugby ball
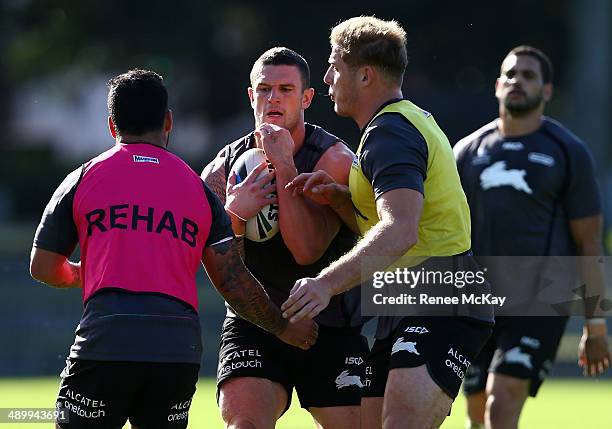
264,225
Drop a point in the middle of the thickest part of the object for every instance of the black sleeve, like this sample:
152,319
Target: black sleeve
460,151
221,227
394,155
57,231
582,197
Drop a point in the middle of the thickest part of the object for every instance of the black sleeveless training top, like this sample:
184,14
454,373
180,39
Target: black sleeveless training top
272,263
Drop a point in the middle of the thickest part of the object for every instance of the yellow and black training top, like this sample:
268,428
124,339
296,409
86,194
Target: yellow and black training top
403,147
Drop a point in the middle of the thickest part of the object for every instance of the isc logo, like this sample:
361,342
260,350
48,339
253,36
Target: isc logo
416,329
353,361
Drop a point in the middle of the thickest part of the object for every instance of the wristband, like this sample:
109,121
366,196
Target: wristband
227,209
596,321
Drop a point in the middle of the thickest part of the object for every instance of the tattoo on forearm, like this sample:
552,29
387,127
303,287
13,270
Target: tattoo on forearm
239,241
214,176
243,292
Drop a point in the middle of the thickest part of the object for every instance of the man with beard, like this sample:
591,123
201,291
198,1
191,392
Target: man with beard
257,373
532,192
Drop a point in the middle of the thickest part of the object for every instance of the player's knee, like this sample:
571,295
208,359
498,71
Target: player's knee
348,417
407,416
239,418
509,388
240,422
502,407
244,416
391,414
391,421
404,422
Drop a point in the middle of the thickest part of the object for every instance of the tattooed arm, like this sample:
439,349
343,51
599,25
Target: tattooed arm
248,298
239,288
214,176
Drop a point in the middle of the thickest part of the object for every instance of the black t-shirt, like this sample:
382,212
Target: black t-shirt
524,190
117,324
394,154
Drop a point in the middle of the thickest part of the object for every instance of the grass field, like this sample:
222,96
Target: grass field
584,404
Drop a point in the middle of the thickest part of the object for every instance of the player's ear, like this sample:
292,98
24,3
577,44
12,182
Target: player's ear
111,128
168,121
365,75
307,97
547,92
251,96
498,87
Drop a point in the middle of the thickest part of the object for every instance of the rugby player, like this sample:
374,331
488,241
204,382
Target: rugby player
405,199
144,220
531,187
257,373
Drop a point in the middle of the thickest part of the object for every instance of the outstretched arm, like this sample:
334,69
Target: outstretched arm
247,297
399,211
239,288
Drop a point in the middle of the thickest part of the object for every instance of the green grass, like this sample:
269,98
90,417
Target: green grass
584,404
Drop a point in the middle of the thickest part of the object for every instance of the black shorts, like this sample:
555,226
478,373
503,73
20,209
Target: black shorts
105,394
521,347
446,345
329,374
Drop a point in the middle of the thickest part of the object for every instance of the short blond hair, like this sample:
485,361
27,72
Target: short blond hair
367,40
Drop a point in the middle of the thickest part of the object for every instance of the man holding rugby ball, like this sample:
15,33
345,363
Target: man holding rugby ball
256,371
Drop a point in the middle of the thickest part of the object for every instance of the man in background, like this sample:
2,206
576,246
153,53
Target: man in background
531,188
